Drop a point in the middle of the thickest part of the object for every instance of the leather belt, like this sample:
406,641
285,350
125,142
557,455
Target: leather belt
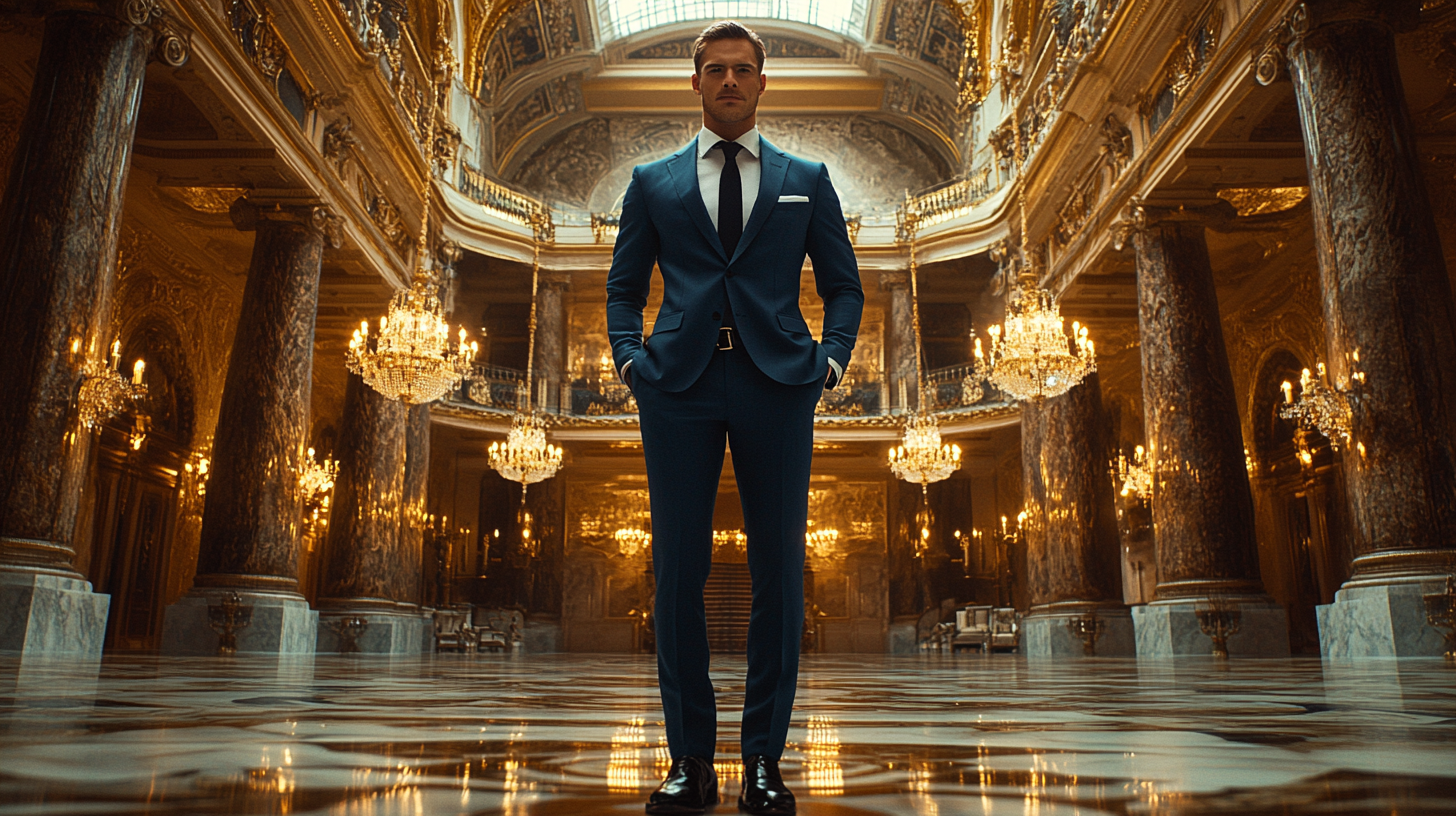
725,338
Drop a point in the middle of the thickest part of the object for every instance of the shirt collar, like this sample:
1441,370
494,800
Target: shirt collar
707,138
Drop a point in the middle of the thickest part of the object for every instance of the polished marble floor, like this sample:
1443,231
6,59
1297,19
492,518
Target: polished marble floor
935,735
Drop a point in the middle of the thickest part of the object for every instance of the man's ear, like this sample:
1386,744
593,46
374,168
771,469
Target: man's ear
696,88
762,82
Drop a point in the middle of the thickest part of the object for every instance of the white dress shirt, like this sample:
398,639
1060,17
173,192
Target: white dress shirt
710,175
710,171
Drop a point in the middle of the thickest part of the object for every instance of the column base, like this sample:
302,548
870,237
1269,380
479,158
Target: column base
541,637
282,624
397,631
1045,632
1170,629
45,615
1381,620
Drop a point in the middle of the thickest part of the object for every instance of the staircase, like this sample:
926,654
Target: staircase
728,598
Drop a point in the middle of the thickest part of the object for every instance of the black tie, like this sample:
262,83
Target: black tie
730,198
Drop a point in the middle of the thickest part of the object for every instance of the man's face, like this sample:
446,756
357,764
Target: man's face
729,81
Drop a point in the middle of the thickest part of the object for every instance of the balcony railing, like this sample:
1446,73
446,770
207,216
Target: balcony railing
507,204
944,203
599,395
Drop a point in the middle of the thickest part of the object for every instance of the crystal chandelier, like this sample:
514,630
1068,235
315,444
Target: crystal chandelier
316,480
525,456
1135,476
1031,358
413,357
1322,407
921,458
821,542
632,540
104,392
973,385
722,538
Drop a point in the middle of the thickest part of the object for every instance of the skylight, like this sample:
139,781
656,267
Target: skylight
623,18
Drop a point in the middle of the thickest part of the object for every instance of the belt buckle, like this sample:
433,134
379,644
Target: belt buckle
725,338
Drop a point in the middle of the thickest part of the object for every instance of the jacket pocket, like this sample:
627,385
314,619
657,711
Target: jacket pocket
793,325
667,322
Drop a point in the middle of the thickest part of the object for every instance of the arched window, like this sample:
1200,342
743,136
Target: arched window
622,18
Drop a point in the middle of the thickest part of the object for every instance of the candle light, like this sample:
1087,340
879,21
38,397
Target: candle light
1288,388
137,371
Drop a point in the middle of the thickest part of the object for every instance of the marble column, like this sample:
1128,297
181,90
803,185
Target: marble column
58,239
900,342
1387,298
416,502
551,340
1203,512
253,510
367,569
1072,546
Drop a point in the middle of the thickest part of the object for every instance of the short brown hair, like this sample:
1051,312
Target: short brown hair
726,30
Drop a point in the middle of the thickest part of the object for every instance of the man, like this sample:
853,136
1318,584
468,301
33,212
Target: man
728,220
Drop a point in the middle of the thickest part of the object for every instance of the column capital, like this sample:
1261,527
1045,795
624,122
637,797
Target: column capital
894,279
558,278
171,43
246,213
1139,217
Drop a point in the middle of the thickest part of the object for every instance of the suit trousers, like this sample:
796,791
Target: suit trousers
769,427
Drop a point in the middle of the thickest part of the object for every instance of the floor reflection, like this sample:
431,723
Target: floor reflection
577,734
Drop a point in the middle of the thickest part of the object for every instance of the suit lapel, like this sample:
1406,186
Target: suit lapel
684,169
773,166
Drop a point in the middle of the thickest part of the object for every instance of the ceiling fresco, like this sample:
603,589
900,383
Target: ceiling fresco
871,160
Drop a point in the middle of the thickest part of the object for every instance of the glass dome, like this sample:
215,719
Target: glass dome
623,18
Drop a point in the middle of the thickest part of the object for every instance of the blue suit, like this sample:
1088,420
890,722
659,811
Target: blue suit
760,396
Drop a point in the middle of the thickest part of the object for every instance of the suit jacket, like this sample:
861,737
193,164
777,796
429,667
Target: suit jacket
664,222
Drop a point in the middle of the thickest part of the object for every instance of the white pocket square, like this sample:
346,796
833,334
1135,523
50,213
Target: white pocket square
791,199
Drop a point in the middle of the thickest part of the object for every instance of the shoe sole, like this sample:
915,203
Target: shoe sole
746,809
681,810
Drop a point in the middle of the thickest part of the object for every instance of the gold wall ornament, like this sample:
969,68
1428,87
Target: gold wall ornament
413,357
1135,476
525,456
1322,407
104,391
1263,200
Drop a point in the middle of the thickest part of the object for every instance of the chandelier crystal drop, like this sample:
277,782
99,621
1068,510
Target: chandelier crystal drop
1031,357
316,479
525,456
104,392
920,458
413,358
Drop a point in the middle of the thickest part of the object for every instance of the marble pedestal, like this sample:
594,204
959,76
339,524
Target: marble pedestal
1381,620
1170,629
51,615
1047,634
390,631
282,624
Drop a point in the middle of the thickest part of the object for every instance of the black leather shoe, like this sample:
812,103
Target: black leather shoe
691,785
764,793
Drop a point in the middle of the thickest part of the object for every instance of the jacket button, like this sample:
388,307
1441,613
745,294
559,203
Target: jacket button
717,316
